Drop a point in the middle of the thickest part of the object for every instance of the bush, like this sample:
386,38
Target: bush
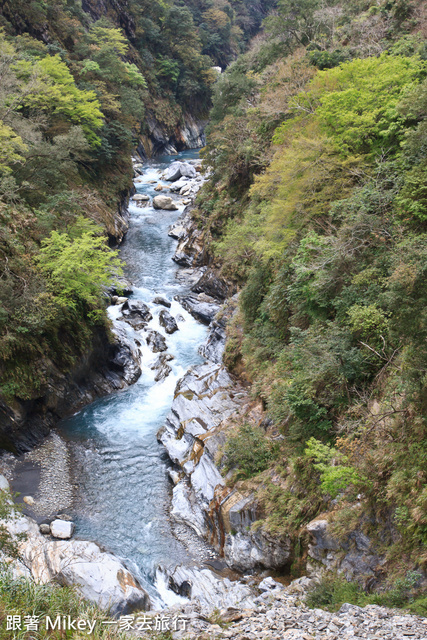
249,451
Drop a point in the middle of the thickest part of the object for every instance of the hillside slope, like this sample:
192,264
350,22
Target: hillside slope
316,210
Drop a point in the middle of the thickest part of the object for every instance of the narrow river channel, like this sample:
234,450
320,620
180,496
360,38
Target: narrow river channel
121,470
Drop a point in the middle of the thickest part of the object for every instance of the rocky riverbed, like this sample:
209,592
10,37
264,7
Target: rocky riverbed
275,612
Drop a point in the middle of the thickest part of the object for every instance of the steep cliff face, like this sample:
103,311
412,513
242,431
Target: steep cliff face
117,10
109,364
161,139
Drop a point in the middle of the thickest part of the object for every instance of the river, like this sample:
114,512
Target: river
120,470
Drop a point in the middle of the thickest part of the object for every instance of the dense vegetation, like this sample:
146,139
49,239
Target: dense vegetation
79,83
317,209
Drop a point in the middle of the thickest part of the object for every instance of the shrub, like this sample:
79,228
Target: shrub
249,451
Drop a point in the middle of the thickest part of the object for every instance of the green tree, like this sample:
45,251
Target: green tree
78,265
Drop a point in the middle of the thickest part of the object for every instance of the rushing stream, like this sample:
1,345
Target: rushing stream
122,483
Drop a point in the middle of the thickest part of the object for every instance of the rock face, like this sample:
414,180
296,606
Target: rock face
97,576
164,202
105,366
214,286
206,398
190,251
159,139
355,556
167,321
203,587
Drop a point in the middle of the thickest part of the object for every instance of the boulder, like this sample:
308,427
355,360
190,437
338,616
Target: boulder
213,285
159,187
62,529
167,321
200,309
164,202
140,197
178,185
162,301
173,172
187,170
209,590
155,341
136,313
44,528
162,367
125,355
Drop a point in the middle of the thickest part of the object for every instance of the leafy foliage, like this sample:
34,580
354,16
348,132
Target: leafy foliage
316,208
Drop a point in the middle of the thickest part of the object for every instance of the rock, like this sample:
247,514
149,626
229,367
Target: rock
164,202
98,576
167,321
140,197
136,313
173,172
155,341
254,549
122,287
44,528
203,311
185,508
214,347
209,590
187,170
62,529
174,476
191,433
162,301
4,484
124,355
214,286
355,556
159,187
162,367
268,584
28,500
118,300
178,185
190,251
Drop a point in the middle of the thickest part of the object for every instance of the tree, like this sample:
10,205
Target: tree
78,265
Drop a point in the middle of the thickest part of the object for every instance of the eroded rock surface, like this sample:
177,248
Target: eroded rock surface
98,576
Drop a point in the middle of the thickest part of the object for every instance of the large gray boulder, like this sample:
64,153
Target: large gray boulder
178,170
136,313
167,321
201,307
164,202
173,172
187,170
156,341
